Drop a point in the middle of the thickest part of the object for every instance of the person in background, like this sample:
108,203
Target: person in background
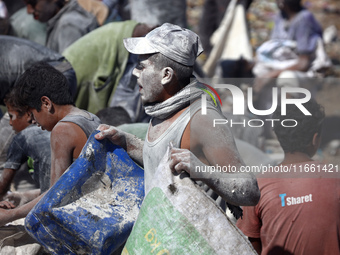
104,69
30,141
298,213
295,51
18,54
66,21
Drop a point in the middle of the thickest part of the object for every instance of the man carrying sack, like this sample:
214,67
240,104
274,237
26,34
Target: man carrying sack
172,97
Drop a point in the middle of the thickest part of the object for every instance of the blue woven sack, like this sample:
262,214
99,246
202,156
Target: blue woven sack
92,207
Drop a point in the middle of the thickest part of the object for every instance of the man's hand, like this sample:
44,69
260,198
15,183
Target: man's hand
113,134
183,160
15,198
130,143
21,198
7,205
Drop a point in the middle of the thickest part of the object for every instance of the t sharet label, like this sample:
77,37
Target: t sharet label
295,200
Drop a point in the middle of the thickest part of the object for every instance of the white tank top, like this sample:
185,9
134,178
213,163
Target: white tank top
154,151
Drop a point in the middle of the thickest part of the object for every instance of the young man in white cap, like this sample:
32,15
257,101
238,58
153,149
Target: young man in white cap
172,96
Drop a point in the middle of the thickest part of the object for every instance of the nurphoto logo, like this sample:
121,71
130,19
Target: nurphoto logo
238,102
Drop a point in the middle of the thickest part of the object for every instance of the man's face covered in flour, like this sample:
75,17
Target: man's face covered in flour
149,79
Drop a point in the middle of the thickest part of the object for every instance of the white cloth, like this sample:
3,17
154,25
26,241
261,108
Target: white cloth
181,99
281,54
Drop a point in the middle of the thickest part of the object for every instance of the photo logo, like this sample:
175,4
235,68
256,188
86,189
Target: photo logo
240,101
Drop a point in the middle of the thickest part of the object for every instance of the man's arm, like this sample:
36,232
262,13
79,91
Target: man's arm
302,65
15,156
132,144
10,215
21,198
5,180
250,224
256,242
67,141
205,146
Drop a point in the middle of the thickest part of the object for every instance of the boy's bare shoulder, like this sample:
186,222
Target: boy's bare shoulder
67,130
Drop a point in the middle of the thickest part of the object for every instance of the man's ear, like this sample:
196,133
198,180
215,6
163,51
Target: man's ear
316,140
167,75
28,116
46,103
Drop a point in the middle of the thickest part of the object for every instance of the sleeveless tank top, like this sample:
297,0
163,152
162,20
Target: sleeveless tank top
154,151
87,124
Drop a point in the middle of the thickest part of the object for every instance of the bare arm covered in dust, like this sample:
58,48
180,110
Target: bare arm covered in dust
205,146
129,142
6,178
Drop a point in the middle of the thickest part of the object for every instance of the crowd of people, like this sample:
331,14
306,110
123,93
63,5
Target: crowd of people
83,65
